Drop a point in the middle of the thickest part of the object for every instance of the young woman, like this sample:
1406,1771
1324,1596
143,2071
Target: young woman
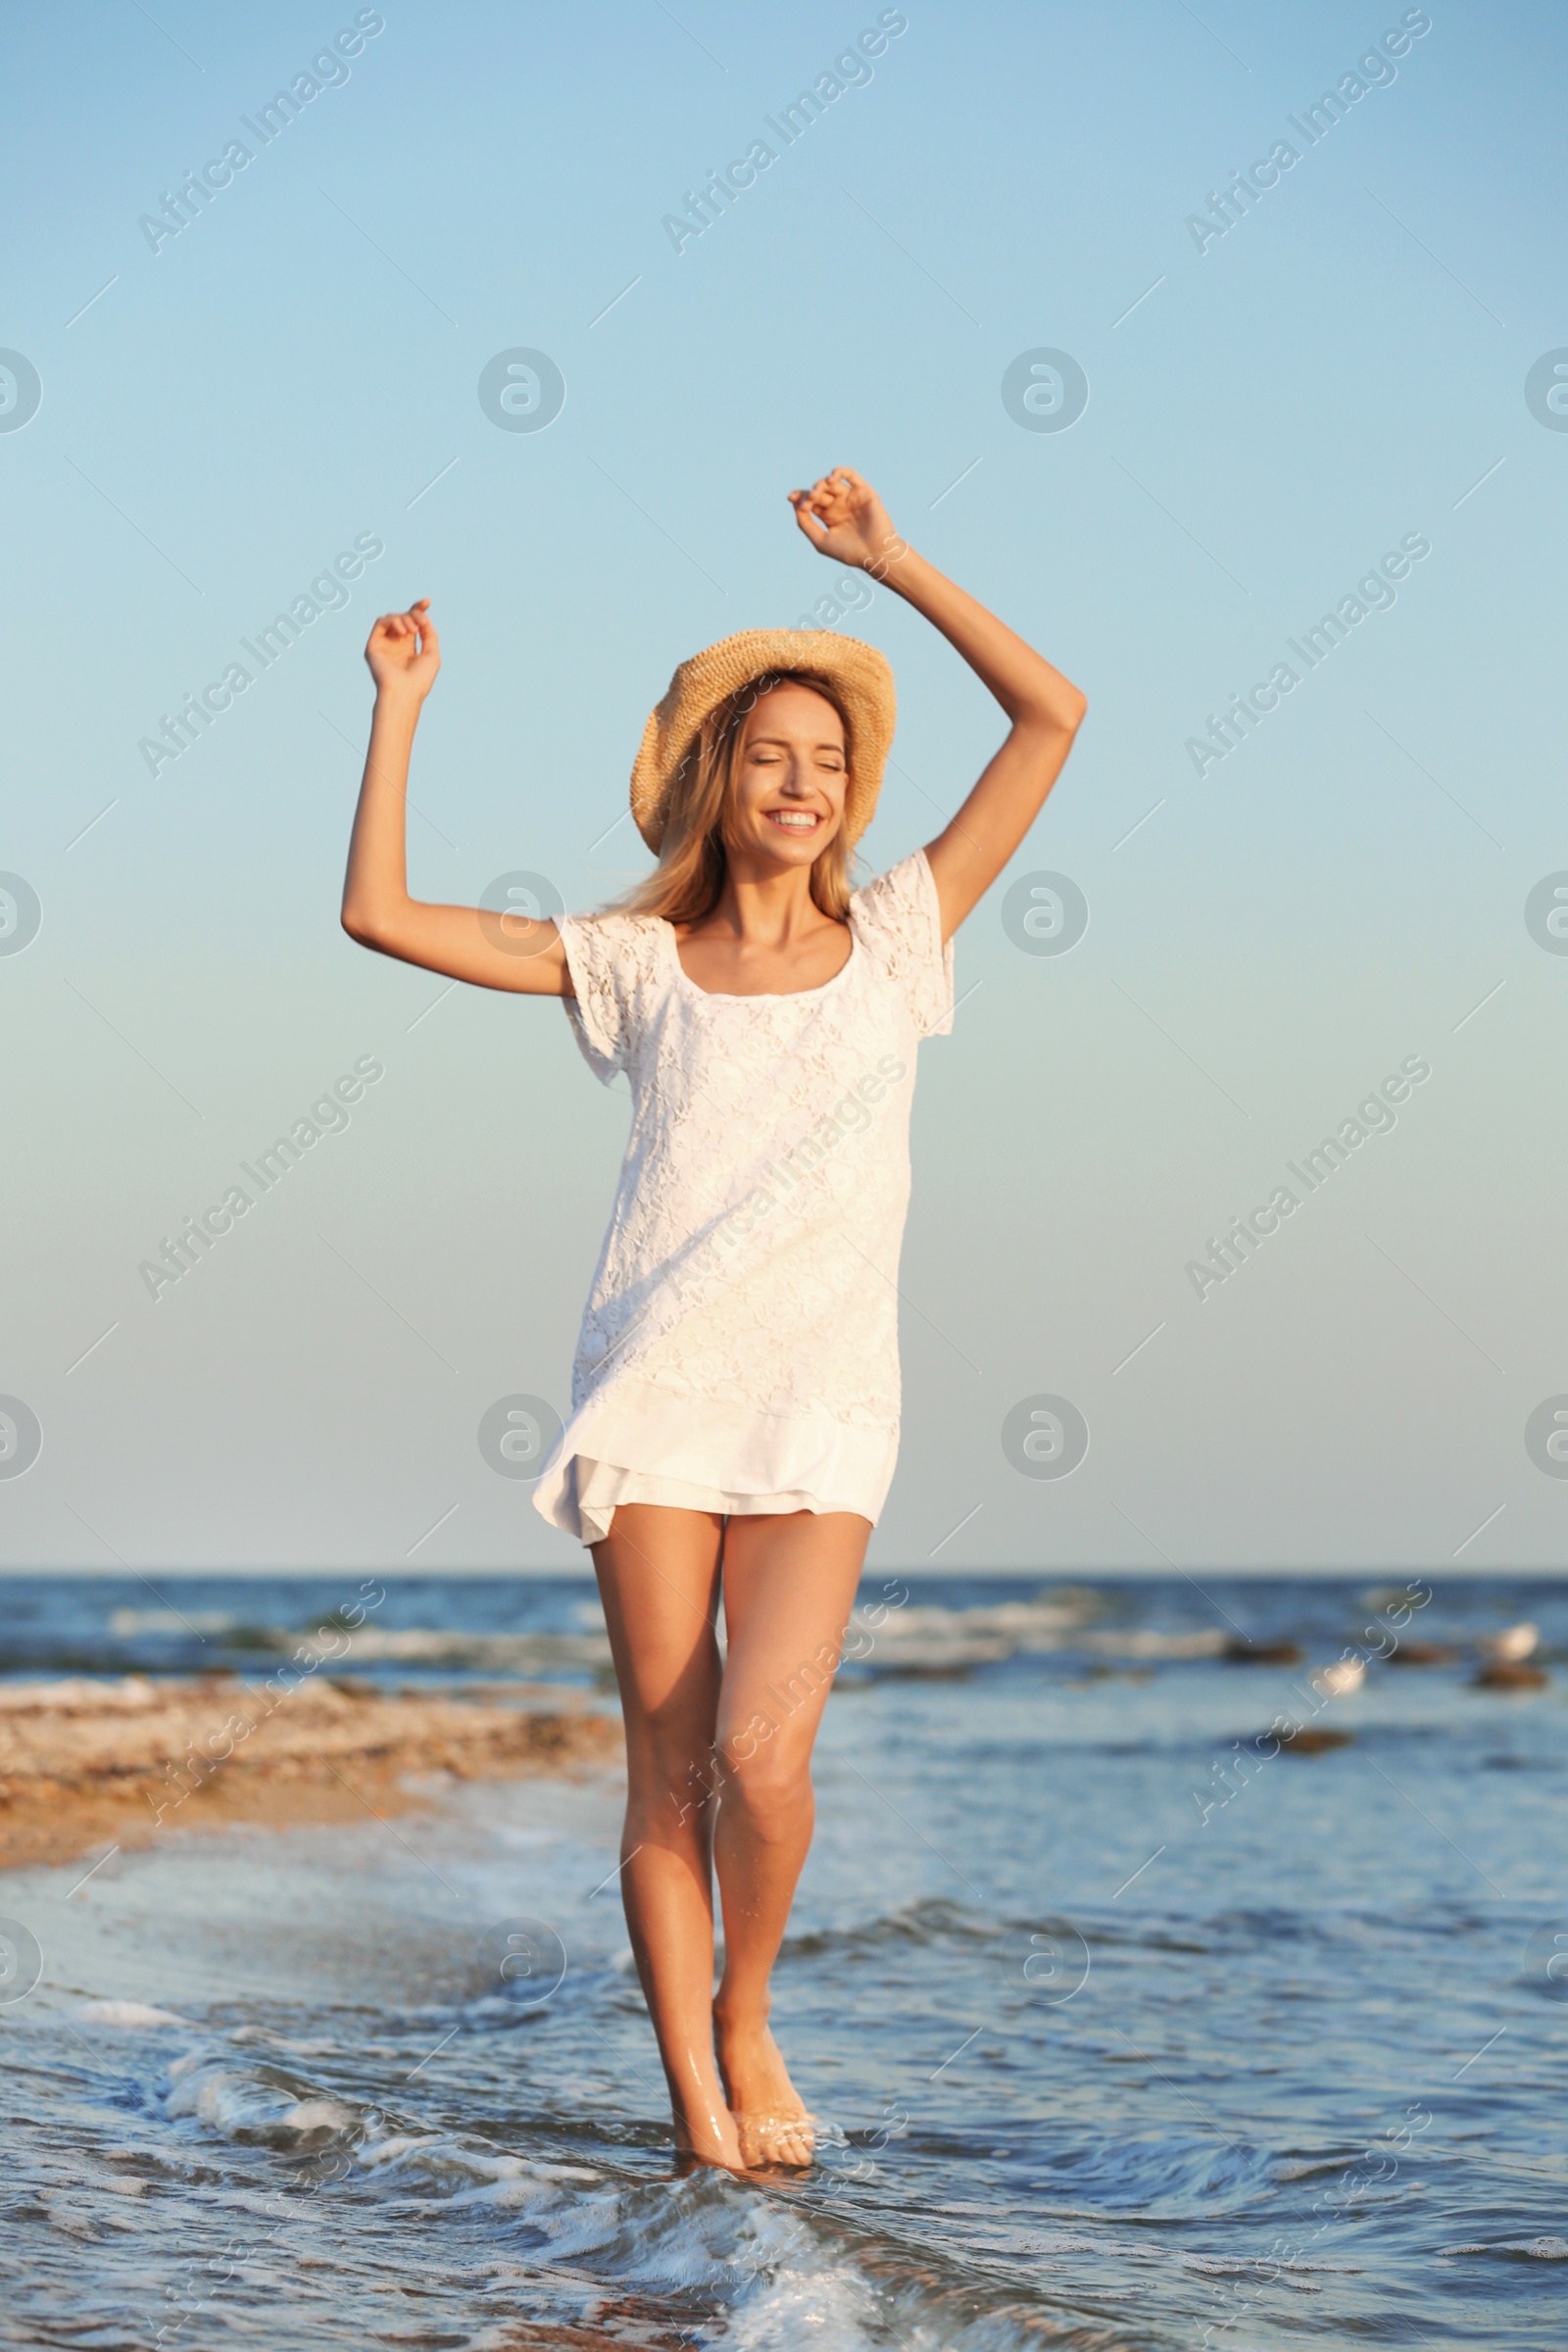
736,1390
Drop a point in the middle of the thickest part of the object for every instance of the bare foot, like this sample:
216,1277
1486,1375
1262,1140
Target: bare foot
771,2117
704,2129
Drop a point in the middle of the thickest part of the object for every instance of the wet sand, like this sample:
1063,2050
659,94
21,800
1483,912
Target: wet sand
87,1765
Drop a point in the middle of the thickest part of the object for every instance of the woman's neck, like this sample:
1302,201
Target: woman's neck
765,906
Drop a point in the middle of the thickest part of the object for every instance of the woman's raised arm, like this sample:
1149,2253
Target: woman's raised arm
845,520
493,951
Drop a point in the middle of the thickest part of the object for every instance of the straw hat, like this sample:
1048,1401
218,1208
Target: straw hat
863,676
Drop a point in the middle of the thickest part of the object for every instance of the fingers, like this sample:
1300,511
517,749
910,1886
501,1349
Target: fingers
837,493
411,624
835,498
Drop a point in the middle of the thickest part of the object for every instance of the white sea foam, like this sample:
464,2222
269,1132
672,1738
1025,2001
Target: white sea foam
799,2306
319,2115
243,2105
1134,1642
128,2013
126,1623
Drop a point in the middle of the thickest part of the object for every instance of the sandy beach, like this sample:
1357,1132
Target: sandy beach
85,1765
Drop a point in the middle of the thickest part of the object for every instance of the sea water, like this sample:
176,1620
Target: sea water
1128,2020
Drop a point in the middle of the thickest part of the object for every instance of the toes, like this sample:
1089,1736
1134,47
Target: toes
776,2140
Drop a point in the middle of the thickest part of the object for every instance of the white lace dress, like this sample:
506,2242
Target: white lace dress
739,1350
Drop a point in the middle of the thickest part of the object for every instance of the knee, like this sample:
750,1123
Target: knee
670,1766
770,1783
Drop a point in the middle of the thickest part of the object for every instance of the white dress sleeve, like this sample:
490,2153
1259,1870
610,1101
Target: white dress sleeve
612,958
901,919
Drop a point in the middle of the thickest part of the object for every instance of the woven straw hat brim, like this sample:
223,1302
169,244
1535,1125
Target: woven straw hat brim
862,675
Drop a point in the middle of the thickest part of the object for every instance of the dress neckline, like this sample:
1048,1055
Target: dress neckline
762,995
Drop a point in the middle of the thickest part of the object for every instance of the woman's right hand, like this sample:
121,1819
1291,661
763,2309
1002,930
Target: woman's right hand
479,944
404,652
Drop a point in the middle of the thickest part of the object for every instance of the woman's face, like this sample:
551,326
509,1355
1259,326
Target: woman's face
787,801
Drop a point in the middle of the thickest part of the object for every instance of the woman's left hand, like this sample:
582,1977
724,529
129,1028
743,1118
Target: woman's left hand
845,520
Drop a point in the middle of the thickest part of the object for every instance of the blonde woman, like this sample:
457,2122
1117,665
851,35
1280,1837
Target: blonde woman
735,1396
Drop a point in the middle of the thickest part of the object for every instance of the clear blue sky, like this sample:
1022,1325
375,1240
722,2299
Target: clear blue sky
1271,411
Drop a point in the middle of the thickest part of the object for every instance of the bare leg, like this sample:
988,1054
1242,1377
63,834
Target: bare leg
659,1573
789,1588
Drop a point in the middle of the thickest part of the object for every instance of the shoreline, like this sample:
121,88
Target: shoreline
120,1765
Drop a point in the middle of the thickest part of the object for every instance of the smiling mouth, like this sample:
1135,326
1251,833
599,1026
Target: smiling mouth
793,820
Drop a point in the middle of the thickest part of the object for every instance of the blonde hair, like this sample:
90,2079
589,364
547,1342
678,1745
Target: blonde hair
688,881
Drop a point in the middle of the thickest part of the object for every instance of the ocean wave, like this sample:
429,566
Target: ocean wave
1167,2175
128,2013
1143,1641
573,2233
919,1638
267,2106
924,1921
1514,2249
126,1623
779,2266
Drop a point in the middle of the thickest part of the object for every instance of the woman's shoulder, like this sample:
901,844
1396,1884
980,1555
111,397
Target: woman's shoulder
618,923
901,899
619,962
616,938
620,954
898,918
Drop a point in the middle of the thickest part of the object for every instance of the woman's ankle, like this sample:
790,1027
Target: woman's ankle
737,2015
